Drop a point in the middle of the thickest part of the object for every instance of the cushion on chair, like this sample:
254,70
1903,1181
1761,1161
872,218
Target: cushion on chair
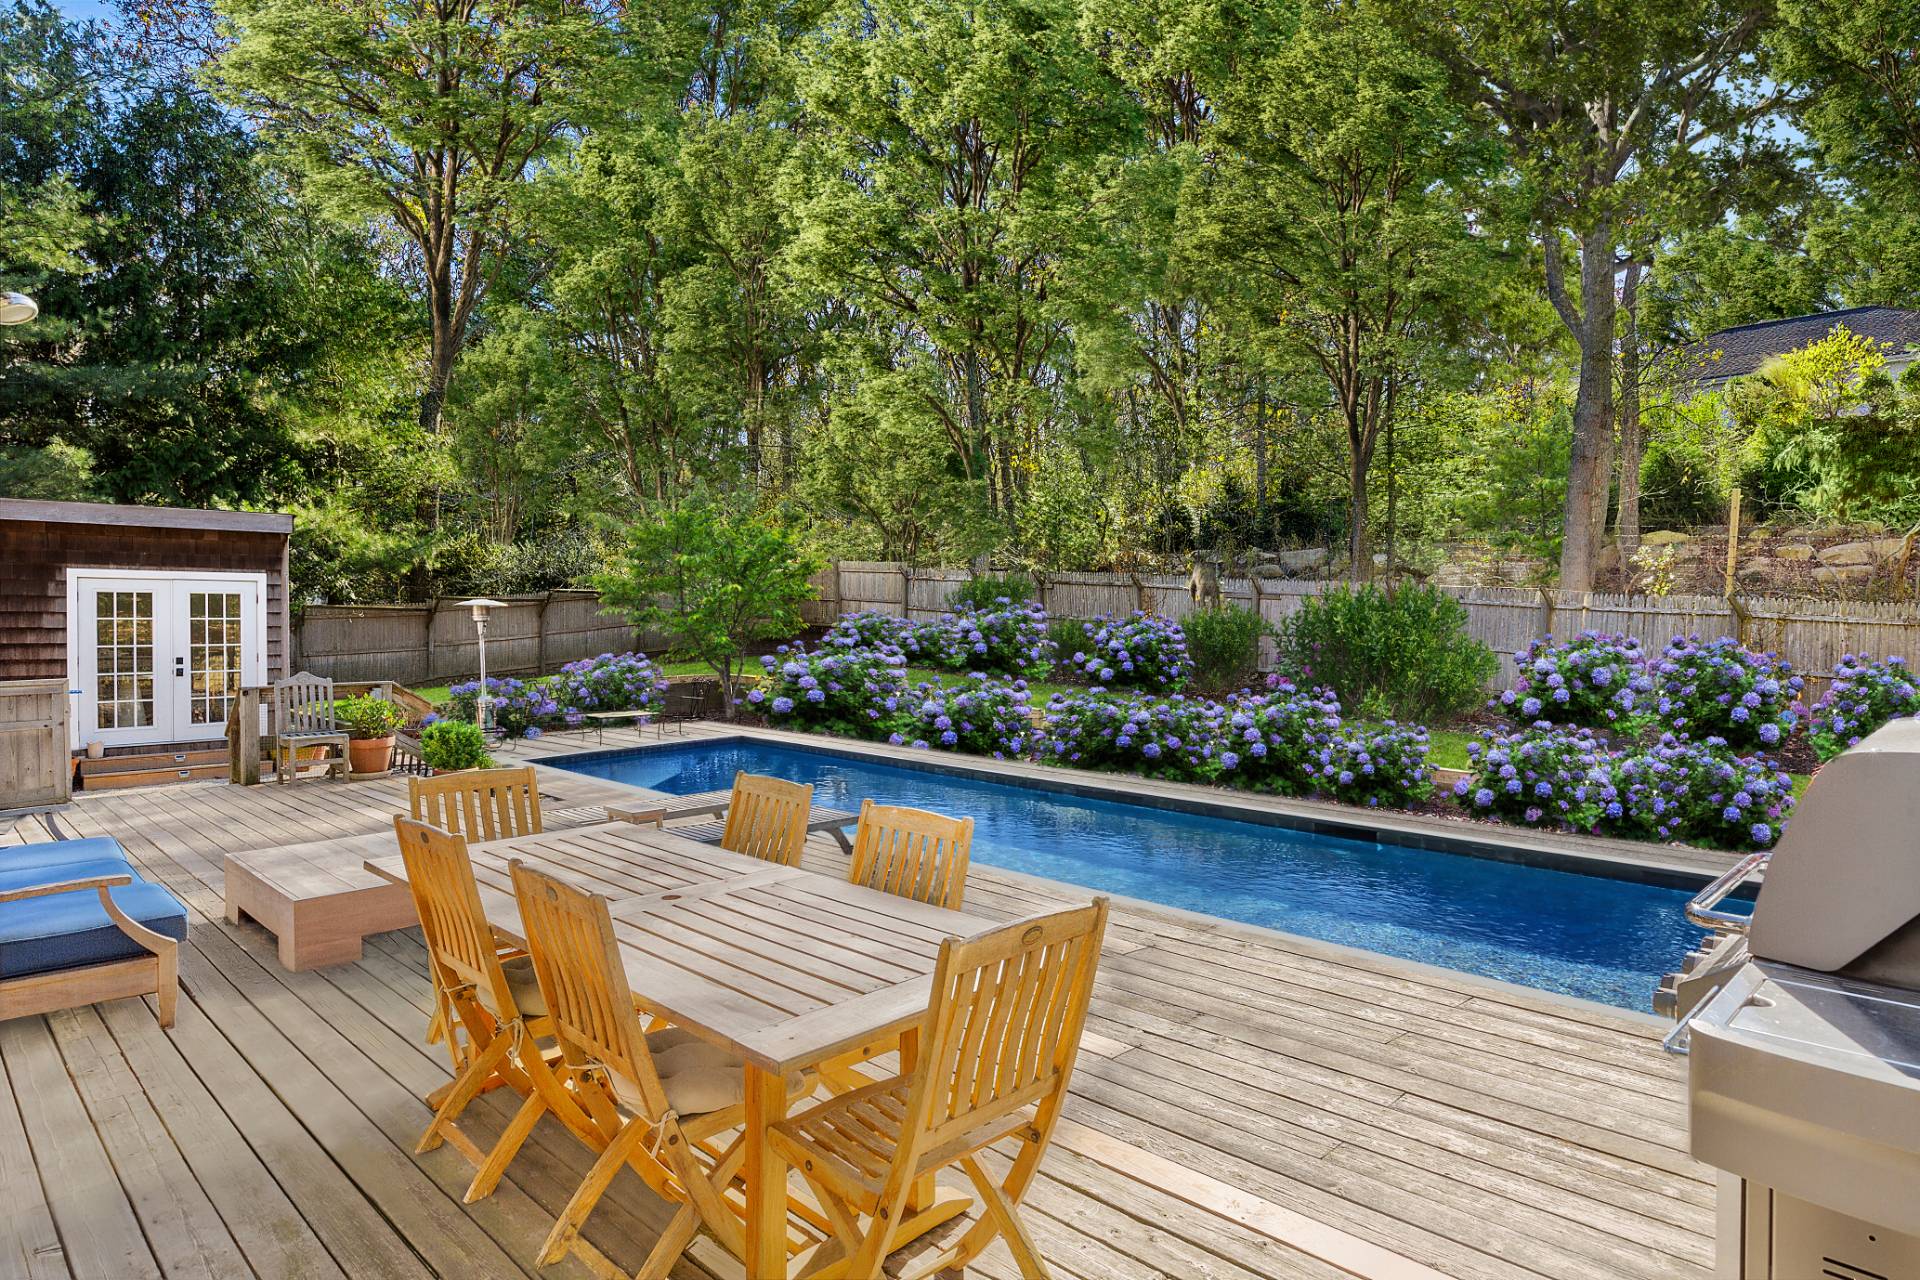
697,1077
57,853
68,930
524,985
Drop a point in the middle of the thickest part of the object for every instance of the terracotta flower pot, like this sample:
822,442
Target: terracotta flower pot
370,755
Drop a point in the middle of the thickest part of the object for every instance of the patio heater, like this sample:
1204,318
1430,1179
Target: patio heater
17,308
1804,1066
482,704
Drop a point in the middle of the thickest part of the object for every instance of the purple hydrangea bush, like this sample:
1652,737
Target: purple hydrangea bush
521,708
1540,776
1719,689
1595,680
981,715
1178,738
1699,791
610,682
868,629
1864,695
1277,735
854,692
1140,650
1382,765
1008,638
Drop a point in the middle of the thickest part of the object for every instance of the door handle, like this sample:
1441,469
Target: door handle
179,667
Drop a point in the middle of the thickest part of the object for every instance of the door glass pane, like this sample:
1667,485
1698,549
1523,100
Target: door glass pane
123,659
213,654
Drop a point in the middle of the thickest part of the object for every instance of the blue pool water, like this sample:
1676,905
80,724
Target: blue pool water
1594,936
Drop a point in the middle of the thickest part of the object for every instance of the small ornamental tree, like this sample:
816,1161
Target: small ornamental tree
716,576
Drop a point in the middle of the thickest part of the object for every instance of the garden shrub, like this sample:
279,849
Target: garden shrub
521,708
866,629
1699,791
1540,776
1005,637
368,717
1594,680
991,589
610,682
1406,652
1142,649
1864,695
854,692
1064,637
1718,689
981,715
1375,765
1178,738
1277,735
1224,644
454,744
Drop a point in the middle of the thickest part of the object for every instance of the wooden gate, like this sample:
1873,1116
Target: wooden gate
35,769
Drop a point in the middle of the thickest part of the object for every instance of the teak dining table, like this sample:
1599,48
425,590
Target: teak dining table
784,967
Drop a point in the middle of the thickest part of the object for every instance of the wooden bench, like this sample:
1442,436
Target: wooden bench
318,899
713,804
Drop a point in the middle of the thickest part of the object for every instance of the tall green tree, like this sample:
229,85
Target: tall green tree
1609,112
428,115
1346,200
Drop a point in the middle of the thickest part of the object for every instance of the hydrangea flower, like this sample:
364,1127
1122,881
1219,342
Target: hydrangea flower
1542,775
1864,695
1700,791
1141,649
979,714
1595,680
1719,689
838,690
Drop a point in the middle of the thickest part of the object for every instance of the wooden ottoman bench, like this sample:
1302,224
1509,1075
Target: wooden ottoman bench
317,899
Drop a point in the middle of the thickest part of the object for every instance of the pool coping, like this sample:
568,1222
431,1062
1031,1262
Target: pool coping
1670,866
1345,953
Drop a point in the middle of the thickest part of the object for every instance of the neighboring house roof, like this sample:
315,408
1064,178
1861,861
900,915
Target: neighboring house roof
100,513
1744,348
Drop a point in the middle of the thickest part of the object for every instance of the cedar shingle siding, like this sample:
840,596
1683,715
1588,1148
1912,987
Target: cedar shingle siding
35,554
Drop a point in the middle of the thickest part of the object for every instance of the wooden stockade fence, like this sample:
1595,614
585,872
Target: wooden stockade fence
1811,634
427,644
424,644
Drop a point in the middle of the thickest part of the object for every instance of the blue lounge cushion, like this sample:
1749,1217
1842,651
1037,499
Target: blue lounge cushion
69,930
59,853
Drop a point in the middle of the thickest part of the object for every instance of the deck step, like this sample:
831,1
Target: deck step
148,761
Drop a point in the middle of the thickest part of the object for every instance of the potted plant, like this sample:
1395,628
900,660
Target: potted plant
369,723
450,746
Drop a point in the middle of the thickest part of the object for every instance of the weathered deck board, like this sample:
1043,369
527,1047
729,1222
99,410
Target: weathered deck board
1489,1132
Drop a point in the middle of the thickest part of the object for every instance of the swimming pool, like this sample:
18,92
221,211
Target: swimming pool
1599,937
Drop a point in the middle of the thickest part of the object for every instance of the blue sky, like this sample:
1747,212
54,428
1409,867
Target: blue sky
83,9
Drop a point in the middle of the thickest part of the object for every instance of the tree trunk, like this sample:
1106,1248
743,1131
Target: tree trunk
440,355
1359,550
1626,521
1592,410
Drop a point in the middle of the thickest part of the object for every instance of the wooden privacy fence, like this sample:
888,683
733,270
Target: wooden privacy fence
1811,634
427,644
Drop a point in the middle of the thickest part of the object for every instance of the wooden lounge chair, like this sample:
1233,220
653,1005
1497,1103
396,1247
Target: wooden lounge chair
767,818
667,1094
993,1058
303,719
78,924
480,804
492,996
912,852
702,804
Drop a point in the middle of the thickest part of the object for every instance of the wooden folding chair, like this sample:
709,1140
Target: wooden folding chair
491,996
661,1096
480,804
912,852
767,818
996,1050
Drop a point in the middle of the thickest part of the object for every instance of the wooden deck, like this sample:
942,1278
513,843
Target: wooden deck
1485,1131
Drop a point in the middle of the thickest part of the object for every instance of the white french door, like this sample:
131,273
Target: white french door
160,657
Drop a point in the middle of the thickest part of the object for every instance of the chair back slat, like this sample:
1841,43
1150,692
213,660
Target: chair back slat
481,804
459,940
304,704
1005,1022
577,960
767,818
913,853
